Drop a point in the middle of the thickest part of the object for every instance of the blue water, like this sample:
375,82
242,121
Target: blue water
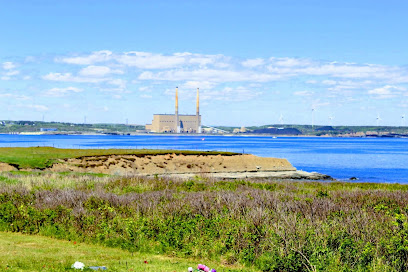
369,159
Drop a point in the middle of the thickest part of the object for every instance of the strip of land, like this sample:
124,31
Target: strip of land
184,164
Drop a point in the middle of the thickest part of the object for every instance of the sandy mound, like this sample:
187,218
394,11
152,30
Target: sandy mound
172,164
6,167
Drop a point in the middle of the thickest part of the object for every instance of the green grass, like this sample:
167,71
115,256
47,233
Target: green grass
20,252
43,157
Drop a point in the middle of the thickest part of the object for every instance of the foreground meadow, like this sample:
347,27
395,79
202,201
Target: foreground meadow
20,252
264,225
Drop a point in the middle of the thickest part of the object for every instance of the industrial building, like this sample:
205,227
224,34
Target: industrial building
177,123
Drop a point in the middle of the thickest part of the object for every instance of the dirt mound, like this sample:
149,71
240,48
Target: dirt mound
6,167
172,164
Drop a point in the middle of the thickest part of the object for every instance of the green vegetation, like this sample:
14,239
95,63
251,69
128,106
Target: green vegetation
19,252
43,157
265,225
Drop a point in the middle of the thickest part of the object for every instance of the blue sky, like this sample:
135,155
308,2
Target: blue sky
255,62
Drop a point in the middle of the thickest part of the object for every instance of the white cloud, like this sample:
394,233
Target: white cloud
29,59
329,82
15,96
290,62
198,84
35,107
317,104
146,96
8,70
387,91
211,75
12,73
119,83
98,71
251,63
8,65
59,92
237,94
277,68
145,89
204,60
146,60
304,93
231,94
95,57
68,77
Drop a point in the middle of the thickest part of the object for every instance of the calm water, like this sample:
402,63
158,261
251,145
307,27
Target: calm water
375,160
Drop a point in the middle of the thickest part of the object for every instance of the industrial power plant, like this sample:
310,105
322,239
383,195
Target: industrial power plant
177,123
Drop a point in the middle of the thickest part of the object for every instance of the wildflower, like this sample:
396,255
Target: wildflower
78,265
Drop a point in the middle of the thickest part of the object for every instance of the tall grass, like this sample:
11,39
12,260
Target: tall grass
270,225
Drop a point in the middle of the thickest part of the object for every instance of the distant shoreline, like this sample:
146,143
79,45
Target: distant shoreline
203,135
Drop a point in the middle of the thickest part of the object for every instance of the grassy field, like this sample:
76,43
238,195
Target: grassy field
19,252
264,225
43,157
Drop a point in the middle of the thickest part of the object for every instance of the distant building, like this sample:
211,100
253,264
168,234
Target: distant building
177,123
239,130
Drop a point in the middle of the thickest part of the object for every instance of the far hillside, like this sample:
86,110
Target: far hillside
357,131
14,127
8,126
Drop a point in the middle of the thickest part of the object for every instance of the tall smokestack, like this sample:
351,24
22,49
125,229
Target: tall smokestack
177,123
198,112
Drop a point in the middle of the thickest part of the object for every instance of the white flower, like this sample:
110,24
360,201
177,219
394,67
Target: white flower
78,265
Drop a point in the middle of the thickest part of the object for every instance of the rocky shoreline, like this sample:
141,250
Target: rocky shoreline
295,174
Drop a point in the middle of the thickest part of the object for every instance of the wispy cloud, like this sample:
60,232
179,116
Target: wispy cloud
8,65
146,96
387,91
211,75
95,57
68,77
36,107
9,70
236,94
98,71
250,63
59,92
14,96
304,93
